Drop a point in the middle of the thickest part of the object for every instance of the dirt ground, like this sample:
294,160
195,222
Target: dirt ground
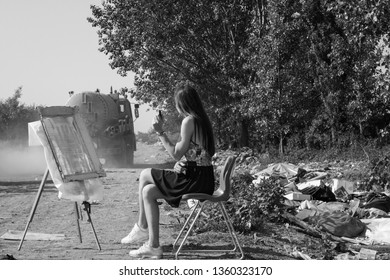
115,215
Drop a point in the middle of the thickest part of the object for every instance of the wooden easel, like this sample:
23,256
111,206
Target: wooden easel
90,169
87,208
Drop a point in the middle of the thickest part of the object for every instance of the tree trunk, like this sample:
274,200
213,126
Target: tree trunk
361,129
281,148
333,134
330,112
244,133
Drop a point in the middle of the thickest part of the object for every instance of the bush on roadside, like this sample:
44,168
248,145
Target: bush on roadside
378,175
250,206
149,137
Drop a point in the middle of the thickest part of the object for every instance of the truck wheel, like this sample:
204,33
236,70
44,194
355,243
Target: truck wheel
128,156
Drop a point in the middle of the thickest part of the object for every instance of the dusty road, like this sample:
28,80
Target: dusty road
112,217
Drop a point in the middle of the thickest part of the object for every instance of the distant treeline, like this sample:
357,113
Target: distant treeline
14,119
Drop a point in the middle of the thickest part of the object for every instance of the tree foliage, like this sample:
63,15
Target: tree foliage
164,42
309,73
14,117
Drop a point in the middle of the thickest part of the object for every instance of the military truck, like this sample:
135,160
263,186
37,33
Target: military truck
109,120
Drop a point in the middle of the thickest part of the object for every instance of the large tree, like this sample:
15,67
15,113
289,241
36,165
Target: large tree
166,41
366,26
279,96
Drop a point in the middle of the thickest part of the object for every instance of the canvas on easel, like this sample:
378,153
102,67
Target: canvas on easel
71,158
70,143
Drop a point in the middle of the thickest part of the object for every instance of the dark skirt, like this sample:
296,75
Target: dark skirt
198,179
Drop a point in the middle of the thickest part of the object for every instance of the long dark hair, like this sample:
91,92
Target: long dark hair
188,102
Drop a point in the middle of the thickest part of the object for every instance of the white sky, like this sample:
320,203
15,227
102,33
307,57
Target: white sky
49,48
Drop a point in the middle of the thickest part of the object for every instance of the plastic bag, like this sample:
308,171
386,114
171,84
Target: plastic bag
90,190
340,224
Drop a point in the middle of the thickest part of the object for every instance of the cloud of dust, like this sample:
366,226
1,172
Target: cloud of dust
19,162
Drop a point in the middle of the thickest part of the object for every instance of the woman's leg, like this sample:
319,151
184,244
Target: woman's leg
150,195
144,180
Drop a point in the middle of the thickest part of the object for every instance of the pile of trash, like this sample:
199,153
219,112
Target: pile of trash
332,204
322,198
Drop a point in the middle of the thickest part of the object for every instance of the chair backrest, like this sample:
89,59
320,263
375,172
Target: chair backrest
225,178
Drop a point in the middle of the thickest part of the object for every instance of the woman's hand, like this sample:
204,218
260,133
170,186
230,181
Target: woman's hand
158,123
180,167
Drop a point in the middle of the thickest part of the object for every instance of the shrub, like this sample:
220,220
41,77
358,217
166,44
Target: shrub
149,137
250,205
152,138
379,174
253,204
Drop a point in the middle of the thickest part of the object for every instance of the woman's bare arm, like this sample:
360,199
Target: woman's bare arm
187,129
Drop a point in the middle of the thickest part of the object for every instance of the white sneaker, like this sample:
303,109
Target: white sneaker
146,251
136,235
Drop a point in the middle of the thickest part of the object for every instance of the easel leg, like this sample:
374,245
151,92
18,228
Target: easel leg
87,208
77,220
40,190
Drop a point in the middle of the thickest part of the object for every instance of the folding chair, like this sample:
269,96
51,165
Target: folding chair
219,196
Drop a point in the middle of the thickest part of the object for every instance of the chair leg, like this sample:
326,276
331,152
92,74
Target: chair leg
190,228
232,233
231,230
185,224
228,225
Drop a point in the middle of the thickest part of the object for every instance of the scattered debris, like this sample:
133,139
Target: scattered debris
366,254
331,203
